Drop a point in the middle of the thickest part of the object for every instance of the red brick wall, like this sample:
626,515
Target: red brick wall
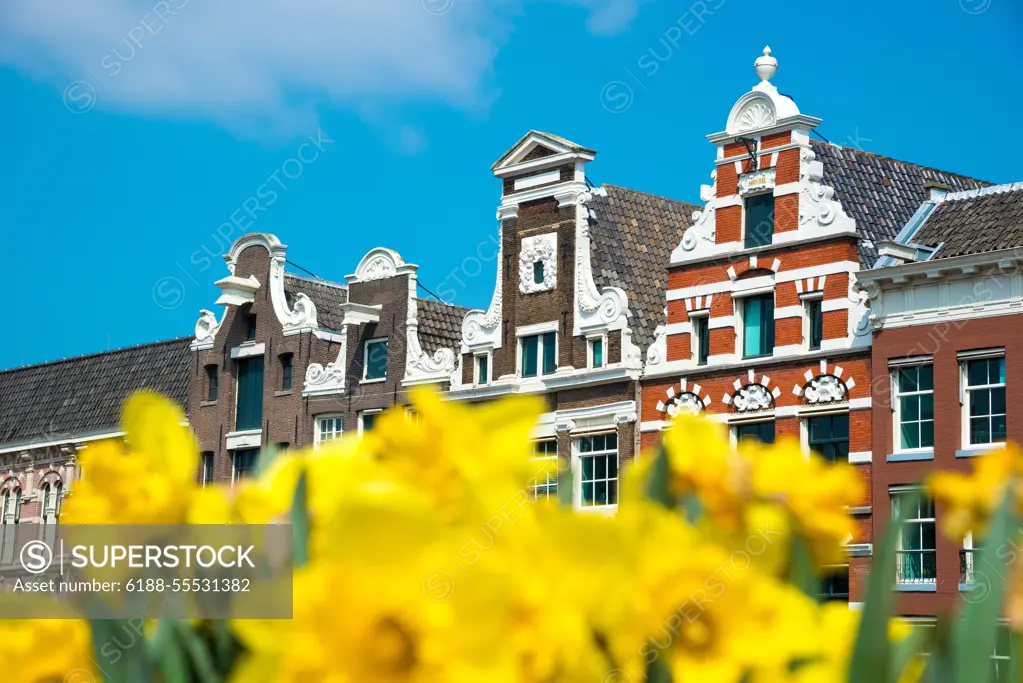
943,341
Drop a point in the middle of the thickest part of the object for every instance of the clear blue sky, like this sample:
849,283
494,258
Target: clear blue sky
130,132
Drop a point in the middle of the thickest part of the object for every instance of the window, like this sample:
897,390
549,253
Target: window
51,501
12,506
250,327
375,360
985,400
598,460
545,486
828,435
206,469
701,339
10,513
761,431
814,323
245,463
538,350
538,273
968,556
250,393
835,583
758,326
1000,657
212,382
482,370
287,371
367,419
759,220
595,351
916,546
914,406
328,428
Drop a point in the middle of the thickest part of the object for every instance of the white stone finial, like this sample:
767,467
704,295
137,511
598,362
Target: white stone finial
766,66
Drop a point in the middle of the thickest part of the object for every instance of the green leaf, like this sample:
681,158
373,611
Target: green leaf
801,572
224,645
120,650
657,671
300,520
975,635
903,652
938,668
1015,652
658,481
266,457
871,653
169,655
198,653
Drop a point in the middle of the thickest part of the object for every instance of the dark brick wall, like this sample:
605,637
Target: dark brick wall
288,417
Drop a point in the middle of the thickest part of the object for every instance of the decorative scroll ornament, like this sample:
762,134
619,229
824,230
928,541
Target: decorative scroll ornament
418,363
657,352
481,326
686,403
329,379
703,228
303,313
542,249
752,397
817,204
378,269
825,389
207,327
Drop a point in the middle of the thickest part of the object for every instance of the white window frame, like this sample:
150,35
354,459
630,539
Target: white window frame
537,330
337,432
51,493
735,423
10,507
577,471
969,560
906,491
896,393
365,360
203,469
739,306
476,379
534,484
590,339
694,340
234,462
364,413
964,394
805,300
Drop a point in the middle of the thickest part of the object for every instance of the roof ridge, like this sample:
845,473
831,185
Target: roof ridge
983,191
864,152
316,280
108,352
651,194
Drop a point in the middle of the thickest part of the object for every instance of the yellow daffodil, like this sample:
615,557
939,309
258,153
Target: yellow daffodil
147,479
969,500
47,650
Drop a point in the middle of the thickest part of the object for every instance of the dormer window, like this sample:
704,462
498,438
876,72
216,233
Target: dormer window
538,272
250,327
759,221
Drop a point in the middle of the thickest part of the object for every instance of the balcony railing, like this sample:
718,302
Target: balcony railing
915,566
967,562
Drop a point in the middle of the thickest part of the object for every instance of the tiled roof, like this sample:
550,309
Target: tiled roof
632,239
327,296
84,394
975,222
440,325
879,193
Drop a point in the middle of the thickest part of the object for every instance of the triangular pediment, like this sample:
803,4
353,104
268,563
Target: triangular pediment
537,145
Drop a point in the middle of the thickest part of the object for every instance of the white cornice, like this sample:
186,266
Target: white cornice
562,380
942,267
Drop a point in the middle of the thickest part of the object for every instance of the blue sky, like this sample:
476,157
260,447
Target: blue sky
131,132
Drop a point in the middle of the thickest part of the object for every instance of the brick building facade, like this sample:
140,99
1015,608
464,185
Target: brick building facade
947,299
765,328
294,360
790,303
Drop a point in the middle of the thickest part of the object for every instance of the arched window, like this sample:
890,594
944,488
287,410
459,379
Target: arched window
10,512
51,502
